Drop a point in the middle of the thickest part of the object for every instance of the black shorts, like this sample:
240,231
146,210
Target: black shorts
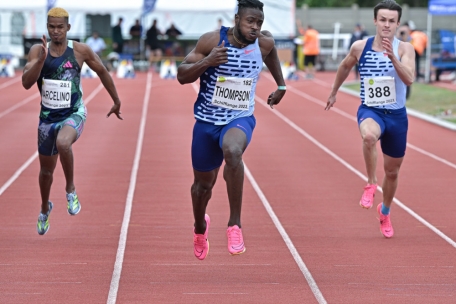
155,46
310,59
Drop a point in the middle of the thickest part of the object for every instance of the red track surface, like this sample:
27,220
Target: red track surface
314,196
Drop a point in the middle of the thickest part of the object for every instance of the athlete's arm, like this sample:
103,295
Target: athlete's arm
35,62
205,54
94,62
344,70
405,67
271,59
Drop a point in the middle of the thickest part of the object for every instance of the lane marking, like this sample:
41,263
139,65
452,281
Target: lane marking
302,266
352,169
20,104
114,287
353,118
35,155
10,82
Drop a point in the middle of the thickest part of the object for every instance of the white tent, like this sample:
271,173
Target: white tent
191,17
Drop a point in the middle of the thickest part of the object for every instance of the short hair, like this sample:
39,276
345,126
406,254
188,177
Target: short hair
243,4
390,5
58,12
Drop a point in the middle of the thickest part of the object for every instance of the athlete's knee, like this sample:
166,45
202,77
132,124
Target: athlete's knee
46,174
392,173
201,188
370,139
233,155
63,145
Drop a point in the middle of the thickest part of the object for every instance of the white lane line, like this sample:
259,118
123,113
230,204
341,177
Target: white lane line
35,155
302,266
10,82
353,118
20,104
352,169
114,287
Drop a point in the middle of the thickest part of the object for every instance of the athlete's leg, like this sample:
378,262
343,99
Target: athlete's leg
233,146
391,166
370,133
65,139
201,193
47,166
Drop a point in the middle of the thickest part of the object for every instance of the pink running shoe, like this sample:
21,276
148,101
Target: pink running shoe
235,240
385,223
200,242
367,200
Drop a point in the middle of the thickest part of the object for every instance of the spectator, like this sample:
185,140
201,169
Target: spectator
173,47
419,42
311,49
173,32
96,43
358,34
153,45
117,39
219,24
136,30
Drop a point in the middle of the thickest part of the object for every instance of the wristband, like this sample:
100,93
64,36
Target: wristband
282,88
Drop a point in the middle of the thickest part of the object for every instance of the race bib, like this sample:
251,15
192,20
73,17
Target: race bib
232,93
379,91
56,94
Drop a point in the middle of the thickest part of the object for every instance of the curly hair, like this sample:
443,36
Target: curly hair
243,4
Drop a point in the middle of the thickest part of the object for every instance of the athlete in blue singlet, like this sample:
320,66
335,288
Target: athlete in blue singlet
55,67
386,67
227,62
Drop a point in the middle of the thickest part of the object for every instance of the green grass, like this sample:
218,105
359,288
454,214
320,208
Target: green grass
428,99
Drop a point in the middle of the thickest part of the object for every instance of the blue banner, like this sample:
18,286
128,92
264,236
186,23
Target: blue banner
50,4
442,7
148,6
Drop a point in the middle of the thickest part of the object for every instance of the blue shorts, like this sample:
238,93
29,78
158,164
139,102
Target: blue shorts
393,125
207,153
47,132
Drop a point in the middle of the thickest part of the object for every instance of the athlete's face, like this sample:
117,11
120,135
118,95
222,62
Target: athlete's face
248,23
57,29
387,22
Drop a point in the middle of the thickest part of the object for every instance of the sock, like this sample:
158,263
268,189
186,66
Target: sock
385,210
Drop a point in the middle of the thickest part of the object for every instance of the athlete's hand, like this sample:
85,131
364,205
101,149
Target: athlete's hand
388,47
116,110
218,55
330,103
275,97
44,50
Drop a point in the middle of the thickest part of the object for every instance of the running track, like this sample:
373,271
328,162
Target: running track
307,239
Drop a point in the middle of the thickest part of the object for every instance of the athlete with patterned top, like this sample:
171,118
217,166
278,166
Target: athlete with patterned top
386,67
56,68
227,62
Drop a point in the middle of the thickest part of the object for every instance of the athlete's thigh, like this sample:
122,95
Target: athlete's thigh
47,163
369,121
206,152
392,164
205,179
394,140
238,133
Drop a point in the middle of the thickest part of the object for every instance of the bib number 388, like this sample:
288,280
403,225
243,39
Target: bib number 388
379,91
